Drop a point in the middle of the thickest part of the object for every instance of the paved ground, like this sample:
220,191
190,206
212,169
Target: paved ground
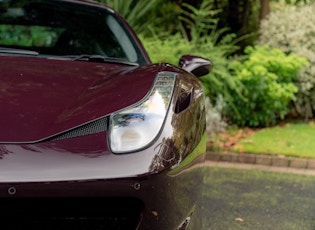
250,191
239,198
267,162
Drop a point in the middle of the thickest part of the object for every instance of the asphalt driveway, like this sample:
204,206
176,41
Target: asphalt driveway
258,197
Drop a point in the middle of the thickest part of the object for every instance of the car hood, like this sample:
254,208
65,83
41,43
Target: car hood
40,98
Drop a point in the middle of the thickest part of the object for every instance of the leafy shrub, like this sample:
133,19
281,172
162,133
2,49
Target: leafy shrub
134,11
203,40
267,75
27,36
292,2
149,17
292,30
206,41
171,48
215,121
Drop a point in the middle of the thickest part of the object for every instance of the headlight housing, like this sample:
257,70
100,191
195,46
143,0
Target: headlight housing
135,127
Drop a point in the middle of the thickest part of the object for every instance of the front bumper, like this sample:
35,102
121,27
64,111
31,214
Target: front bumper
163,200
50,186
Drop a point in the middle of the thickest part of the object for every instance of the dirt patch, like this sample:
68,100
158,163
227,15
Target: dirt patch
229,140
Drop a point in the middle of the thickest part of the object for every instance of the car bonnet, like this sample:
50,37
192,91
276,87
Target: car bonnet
40,98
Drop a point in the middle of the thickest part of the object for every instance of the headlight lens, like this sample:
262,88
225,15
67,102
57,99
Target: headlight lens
137,126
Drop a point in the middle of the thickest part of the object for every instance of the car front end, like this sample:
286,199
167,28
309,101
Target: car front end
95,138
83,176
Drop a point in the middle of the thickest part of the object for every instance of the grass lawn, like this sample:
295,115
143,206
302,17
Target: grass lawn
290,139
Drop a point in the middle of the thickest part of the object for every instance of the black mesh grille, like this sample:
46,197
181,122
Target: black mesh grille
71,214
97,126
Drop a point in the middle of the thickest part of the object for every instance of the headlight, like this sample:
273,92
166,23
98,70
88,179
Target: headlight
137,126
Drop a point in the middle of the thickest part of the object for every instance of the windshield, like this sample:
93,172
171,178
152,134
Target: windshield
59,28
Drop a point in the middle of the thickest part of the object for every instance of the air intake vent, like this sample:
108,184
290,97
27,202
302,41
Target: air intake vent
97,126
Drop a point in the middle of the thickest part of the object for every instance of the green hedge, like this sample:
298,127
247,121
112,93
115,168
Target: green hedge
292,30
267,75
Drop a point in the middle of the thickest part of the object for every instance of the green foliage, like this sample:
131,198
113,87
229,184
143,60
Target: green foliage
242,17
164,19
292,30
198,21
215,121
294,2
204,41
268,76
170,49
37,36
136,12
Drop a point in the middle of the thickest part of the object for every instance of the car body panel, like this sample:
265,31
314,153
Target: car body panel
38,103
92,152
56,164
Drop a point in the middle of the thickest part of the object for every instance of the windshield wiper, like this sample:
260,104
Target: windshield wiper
100,58
18,51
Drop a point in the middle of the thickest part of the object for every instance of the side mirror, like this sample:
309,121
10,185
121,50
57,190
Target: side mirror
196,65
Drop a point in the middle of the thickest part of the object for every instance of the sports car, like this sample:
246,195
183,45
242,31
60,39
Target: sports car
93,135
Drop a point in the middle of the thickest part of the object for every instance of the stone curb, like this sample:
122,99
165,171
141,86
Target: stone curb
261,159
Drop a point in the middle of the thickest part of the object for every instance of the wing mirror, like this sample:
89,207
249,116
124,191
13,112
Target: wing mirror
196,65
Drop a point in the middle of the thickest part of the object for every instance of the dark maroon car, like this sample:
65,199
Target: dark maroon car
93,135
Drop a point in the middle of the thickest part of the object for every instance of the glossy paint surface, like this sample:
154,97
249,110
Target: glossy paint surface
40,97
84,167
64,159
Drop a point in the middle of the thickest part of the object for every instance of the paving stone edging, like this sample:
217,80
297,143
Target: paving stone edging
260,159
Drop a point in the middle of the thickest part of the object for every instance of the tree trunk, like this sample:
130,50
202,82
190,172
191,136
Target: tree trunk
264,9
